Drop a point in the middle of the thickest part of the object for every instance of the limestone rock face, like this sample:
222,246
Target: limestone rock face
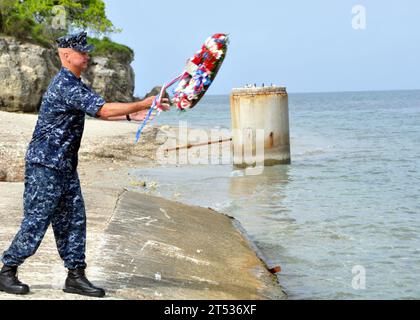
26,70
112,78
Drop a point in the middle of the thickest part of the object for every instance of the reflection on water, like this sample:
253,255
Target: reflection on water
257,202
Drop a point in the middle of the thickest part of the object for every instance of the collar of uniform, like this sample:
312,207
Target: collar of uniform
67,72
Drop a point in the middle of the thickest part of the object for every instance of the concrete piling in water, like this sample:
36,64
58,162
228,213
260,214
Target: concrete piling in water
260,122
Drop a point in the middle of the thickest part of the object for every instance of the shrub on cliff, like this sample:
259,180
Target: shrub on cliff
106,47
42,21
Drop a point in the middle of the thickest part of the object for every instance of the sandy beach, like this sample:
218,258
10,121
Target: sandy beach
138,246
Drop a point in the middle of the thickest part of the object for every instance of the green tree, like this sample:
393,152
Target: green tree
34,19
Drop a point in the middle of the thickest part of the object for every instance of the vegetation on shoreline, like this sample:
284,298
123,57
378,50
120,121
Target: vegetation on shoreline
43,21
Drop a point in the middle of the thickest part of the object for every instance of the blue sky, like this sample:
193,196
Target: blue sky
307,46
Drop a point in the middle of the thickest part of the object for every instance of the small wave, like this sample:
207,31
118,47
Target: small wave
311,152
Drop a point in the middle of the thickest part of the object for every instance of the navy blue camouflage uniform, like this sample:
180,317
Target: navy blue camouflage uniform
52,188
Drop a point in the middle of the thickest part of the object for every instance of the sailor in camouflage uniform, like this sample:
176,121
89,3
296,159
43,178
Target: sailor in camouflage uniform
52,188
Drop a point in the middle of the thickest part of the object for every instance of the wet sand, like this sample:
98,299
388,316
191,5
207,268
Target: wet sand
138,246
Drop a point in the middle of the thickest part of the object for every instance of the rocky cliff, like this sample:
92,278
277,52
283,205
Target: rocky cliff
112,76
26,70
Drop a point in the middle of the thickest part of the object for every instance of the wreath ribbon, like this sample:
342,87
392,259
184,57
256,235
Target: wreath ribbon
156,104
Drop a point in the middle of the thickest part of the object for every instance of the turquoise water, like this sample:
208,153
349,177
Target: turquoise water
349,198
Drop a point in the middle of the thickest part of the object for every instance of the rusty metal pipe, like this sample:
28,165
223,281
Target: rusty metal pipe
189,146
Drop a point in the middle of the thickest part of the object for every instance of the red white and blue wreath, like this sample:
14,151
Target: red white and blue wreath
197,77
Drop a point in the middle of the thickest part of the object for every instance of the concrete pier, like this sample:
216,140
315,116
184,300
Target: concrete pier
260,126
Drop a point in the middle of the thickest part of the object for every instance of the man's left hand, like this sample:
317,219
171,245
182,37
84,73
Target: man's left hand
141,115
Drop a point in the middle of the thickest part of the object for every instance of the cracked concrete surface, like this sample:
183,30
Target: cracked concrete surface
146,248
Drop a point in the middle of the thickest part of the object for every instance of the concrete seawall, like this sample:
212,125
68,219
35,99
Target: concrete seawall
143,247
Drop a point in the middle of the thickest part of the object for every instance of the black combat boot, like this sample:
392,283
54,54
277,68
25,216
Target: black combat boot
10,283
77,283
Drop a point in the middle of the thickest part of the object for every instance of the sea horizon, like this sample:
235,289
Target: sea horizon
326,92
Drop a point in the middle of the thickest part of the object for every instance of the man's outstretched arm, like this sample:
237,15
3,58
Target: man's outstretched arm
114,110
137,110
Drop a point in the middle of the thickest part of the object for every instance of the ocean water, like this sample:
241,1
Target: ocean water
343,219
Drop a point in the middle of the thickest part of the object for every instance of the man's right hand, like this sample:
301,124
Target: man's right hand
148,102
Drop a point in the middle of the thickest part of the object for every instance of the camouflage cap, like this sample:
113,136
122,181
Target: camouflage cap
75,41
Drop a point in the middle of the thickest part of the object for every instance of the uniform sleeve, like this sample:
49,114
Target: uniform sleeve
84,99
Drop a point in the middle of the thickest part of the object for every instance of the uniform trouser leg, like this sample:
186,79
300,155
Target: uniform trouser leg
51,197
69,225
41,197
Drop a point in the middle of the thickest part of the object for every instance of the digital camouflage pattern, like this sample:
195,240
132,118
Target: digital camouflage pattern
58,133
77,42
52,197
52,188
